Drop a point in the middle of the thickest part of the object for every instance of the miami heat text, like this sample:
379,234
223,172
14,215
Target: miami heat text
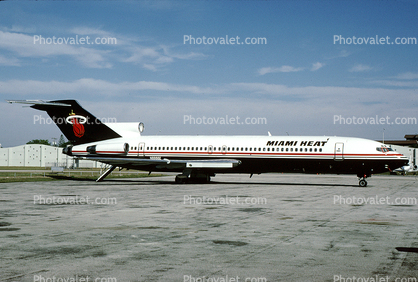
295,143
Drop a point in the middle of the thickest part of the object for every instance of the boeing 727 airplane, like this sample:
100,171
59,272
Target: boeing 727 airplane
198,158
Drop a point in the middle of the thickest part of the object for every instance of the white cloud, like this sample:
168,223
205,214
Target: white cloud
25,46
314,95
93,87
9,61
316,66
407,76
407,79
342,54
292,109
360,68
126,50
267,70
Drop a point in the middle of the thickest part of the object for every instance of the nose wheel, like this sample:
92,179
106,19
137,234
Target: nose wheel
362,179
362,182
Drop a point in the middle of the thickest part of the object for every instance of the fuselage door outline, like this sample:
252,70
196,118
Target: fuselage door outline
141,149
339,151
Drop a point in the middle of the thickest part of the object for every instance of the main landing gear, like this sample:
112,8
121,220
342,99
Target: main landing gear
193,177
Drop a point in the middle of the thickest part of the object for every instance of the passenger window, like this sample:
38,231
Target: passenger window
310,149
287,149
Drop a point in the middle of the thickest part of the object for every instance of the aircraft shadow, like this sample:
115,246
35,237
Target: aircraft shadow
159,182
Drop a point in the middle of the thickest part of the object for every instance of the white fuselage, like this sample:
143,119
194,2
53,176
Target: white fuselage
250,150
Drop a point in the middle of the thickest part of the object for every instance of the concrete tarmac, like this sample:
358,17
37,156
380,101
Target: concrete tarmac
272,227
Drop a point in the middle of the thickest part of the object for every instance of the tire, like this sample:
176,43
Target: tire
362,183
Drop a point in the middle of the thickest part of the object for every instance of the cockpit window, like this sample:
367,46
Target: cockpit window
384,149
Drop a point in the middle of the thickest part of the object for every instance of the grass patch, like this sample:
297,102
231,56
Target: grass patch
24,168
7,176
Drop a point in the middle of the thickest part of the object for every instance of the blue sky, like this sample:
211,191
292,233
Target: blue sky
299,81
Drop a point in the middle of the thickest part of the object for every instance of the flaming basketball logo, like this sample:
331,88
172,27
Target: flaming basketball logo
77,123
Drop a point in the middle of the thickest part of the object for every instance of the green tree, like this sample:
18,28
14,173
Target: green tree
39,141
62,143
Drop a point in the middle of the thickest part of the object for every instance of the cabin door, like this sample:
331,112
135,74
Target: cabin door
339,151
141,149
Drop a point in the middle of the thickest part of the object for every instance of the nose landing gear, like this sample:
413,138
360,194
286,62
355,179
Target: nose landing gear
362,180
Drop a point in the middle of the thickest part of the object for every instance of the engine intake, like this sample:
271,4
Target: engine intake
108,149
68,150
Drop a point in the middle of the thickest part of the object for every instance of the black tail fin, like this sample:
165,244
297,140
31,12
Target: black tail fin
77,124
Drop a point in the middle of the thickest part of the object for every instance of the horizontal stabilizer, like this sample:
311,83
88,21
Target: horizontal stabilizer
38,102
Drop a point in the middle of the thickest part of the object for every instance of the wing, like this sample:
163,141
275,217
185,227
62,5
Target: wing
167,163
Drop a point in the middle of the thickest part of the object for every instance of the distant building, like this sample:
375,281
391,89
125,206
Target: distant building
37,155
410,140
410,153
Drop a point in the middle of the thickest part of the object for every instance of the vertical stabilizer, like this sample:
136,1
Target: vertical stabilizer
78,125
